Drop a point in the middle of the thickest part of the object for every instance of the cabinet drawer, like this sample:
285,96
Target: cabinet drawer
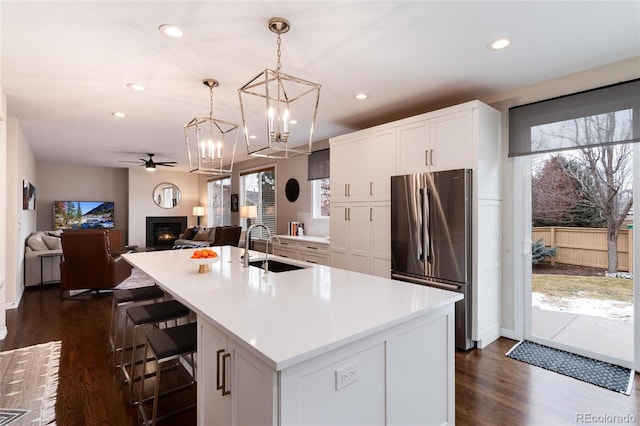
314,247
320,259
288,252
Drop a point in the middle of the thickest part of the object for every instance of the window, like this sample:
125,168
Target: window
259,188
321,190
219,193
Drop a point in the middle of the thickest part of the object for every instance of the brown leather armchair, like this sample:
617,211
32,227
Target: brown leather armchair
89,263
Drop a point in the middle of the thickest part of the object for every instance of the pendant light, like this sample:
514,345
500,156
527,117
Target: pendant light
278,110
207,139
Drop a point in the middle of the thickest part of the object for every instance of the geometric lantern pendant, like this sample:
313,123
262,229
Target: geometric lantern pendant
210,142
278,110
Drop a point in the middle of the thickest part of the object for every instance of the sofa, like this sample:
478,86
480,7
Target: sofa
42,243
207,237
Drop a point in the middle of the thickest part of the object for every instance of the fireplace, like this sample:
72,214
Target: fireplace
162,231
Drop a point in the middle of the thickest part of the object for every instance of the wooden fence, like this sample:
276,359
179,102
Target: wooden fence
585,246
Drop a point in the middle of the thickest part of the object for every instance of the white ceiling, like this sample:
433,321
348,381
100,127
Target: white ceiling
65,65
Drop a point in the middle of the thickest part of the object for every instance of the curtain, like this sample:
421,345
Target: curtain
604,116
318,165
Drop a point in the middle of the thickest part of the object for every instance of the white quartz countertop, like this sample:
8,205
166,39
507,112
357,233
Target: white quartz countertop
288,317
305,238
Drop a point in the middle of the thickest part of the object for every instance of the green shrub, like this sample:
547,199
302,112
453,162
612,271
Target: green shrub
540,252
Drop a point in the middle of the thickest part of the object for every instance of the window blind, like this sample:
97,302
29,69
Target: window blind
604,116
318,165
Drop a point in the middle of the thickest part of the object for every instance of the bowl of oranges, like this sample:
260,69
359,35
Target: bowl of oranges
203,258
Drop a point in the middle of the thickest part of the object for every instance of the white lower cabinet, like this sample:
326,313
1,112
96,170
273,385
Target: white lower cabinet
234,386
311,252
361,237
399,376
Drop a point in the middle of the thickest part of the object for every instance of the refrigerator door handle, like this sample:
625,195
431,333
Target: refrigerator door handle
424,242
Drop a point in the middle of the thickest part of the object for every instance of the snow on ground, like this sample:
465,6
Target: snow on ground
612,309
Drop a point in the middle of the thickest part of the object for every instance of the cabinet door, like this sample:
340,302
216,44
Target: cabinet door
349,176
380,219
254,390
339,241
213,407
452,141
414,148
381,161
359,237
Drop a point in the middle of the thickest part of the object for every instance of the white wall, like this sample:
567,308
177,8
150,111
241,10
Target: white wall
512,220
21,166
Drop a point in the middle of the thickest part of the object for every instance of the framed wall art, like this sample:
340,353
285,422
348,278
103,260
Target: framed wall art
28,196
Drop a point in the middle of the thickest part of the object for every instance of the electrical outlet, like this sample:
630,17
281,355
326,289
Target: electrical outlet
346,375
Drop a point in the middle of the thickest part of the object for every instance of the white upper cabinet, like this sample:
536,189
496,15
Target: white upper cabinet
362,164
441,142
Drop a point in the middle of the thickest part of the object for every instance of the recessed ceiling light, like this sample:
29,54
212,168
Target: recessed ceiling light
499,43
293,121
119,114
135,86
361,96
171,30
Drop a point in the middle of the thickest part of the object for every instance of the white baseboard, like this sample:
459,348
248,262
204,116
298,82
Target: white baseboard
509,334
487,337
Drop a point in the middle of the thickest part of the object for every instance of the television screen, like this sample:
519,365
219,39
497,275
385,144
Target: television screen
83,214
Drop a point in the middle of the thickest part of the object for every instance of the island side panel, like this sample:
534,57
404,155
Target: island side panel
403,375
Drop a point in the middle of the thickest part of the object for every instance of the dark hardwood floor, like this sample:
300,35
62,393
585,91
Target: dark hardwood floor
491,389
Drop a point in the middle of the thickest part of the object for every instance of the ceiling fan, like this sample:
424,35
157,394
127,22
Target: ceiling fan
150,165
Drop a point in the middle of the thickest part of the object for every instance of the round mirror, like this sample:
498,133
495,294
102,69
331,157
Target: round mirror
166,195
292,190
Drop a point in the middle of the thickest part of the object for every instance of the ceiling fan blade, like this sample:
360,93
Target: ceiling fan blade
125,161
164,163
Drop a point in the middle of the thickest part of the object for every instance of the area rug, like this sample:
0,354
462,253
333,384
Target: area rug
29,378
599,373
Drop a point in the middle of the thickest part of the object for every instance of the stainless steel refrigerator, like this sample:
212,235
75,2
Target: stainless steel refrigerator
431,237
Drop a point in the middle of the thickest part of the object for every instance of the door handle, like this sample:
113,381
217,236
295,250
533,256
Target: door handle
219,384
225,390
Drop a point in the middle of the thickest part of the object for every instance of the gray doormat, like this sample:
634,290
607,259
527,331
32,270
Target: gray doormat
599,373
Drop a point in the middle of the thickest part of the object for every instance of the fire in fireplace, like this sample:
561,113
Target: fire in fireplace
162,231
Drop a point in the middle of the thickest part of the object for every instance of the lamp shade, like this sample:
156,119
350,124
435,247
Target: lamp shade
198,211
249,211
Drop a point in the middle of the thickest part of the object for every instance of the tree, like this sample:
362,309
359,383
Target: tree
603,174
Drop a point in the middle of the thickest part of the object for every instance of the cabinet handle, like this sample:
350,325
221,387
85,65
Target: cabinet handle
225,391
312,248
345,214
219,385
349,213
346,192
370,214
426,157
370,188
349,190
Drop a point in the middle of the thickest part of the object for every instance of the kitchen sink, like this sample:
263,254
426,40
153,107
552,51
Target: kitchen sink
275,266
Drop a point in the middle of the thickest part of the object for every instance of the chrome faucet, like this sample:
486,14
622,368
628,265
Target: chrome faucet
247,238
266,259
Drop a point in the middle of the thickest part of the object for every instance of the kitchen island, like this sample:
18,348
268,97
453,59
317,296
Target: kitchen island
318,345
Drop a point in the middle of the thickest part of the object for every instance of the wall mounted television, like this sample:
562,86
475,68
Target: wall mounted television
83,214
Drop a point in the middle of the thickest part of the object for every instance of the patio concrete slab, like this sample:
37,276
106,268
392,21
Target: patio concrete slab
597,334
548,324
601,335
